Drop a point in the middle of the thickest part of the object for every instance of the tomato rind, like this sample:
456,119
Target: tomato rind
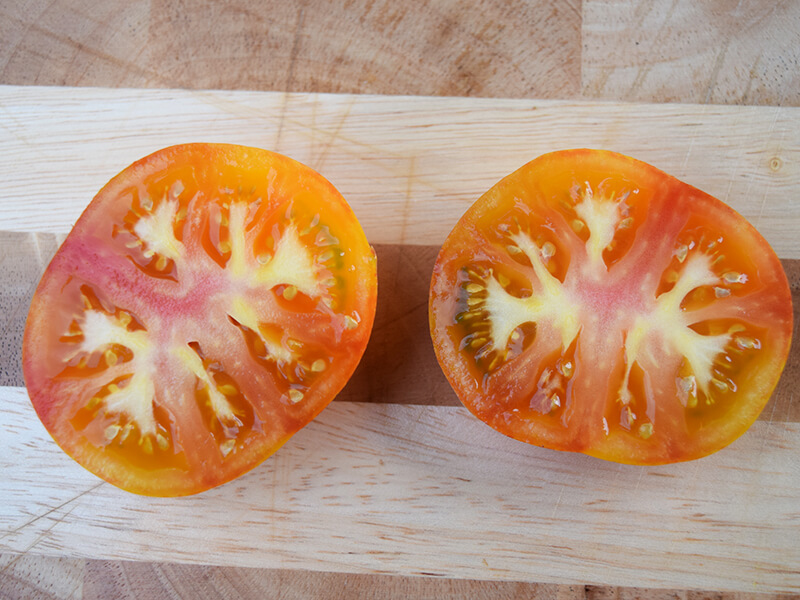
548,195
92,255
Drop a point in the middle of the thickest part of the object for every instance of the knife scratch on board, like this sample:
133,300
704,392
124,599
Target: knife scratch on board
43,534
50,511
333,135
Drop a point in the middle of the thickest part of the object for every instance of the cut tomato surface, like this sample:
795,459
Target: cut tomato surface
592,303
209,303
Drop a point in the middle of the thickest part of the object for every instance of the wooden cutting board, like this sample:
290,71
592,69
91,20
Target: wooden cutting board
396,477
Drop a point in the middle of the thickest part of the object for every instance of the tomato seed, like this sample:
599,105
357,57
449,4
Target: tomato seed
111,432
734,277
720,385
111,357
326,256
477,342
126,431
147,445
227,447
747,343
566,369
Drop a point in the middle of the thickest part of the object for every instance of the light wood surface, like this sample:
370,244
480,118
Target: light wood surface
387,488
408,166
397,488
661,51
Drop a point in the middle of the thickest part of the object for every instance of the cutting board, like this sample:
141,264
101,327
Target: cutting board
395,476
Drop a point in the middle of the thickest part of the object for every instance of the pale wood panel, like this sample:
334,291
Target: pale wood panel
109,44
482,48
408,166
370,488
744,52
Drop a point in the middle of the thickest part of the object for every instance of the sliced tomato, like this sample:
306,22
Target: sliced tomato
209,303
592,303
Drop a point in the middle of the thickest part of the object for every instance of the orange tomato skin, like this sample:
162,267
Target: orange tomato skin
558,313
231,288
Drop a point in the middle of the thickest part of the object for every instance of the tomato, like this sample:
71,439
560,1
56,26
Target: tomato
591,303
209,303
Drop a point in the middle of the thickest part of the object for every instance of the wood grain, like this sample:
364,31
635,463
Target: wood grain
483,48
408,166
47,578
30,577
620,50
716,52
112,44
419,490
124,580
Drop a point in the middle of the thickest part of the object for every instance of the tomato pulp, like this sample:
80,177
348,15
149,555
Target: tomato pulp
210,302
592,303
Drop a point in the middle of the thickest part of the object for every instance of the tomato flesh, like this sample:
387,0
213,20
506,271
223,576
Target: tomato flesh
210,302
591,303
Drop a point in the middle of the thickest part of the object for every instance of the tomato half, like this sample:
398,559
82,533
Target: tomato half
592,303
209,303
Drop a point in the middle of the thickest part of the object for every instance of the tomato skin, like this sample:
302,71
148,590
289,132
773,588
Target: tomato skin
237,282
591,303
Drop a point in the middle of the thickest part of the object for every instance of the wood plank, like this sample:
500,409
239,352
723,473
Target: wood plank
687,51
483,48
347,139
418,490
398,366
109,44
408,166
127,580
30,577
